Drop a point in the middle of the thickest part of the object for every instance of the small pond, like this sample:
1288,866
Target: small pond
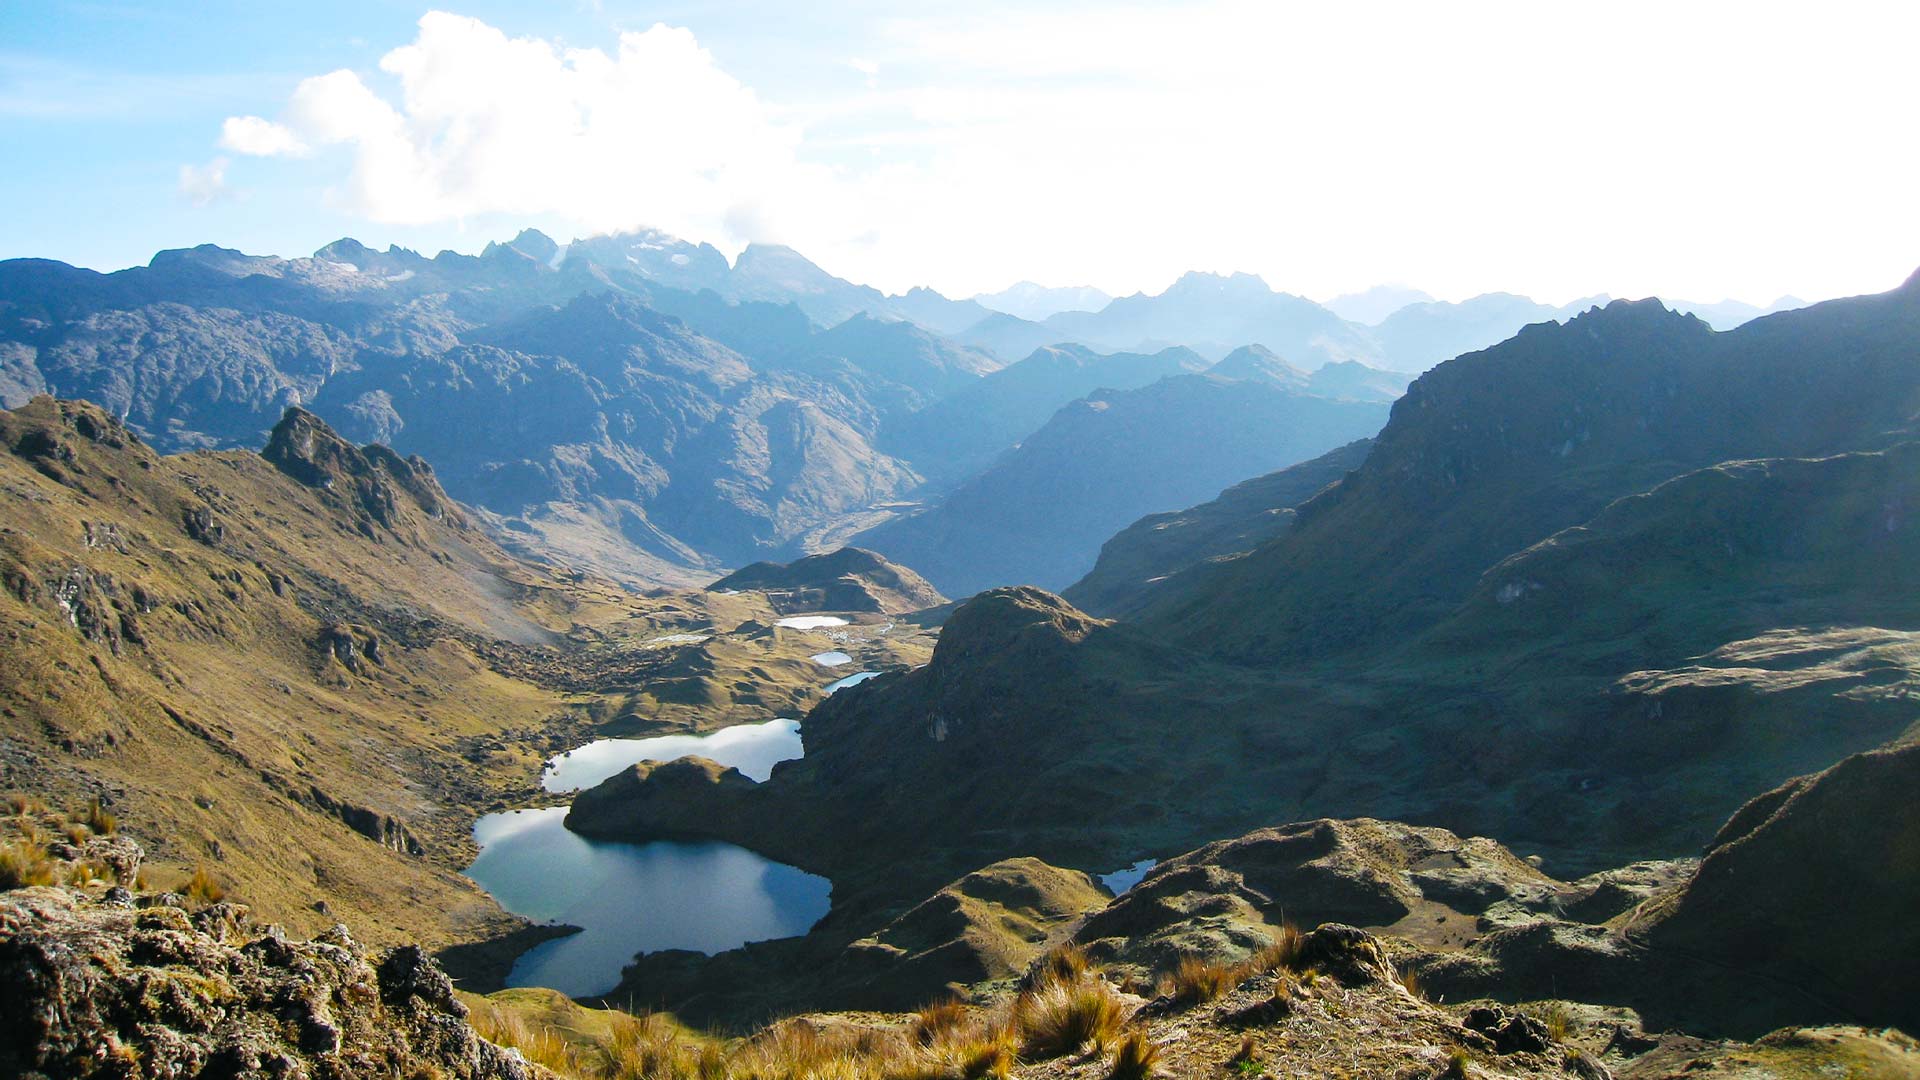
636,898
811,622
852,680
632,898
751,748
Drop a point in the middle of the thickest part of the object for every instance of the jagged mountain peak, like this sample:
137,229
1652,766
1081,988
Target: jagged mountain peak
305,448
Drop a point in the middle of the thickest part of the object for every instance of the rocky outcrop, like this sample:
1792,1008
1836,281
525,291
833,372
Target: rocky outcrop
850,579
1800,912
381,487
106,989
1232,897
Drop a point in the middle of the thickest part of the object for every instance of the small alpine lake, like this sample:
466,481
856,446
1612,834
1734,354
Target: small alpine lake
754,749
638,898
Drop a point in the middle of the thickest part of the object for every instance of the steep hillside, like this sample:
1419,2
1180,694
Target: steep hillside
1765,898
1141,557
304,671
1040,513
623,438
1496,450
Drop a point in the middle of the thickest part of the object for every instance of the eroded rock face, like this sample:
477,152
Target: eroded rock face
106,990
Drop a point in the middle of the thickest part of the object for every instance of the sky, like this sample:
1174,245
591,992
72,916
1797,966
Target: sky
1696,150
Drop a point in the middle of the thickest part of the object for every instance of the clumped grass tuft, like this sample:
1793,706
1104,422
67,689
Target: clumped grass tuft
1458,1061
86,872
77,834
99,819
1410,982
935,1022
539,1044
1555,1017
20,805
203,887
1060,1017
1246,1060
1063,963
1135,1058
24,863
1283,953
1195,981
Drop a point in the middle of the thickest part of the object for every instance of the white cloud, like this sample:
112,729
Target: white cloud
203,184
1555,149
258,137
654,133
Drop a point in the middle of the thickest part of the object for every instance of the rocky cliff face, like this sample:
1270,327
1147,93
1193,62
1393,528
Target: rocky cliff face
107,988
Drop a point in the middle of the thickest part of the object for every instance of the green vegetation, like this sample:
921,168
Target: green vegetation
1555,1017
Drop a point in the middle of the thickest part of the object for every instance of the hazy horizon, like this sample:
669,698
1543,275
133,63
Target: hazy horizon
1327,150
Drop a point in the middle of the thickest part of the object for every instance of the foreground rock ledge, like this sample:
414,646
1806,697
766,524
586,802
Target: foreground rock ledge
101,988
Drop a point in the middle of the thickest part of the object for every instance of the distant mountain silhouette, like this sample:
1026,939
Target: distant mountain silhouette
1026,300
1371,306
1039,514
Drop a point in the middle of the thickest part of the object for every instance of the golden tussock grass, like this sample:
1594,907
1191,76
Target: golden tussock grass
1135,1057
1056,1016
203,887
98,819
1059,1017
24,863
1195,981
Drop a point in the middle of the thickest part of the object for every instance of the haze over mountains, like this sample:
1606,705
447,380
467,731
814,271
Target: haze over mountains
657,411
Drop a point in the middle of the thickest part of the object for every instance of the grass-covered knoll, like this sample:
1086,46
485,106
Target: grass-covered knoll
848,579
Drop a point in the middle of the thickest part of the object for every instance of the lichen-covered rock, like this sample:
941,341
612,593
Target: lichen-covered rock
102,989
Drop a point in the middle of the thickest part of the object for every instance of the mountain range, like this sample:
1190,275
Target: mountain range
1588,591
